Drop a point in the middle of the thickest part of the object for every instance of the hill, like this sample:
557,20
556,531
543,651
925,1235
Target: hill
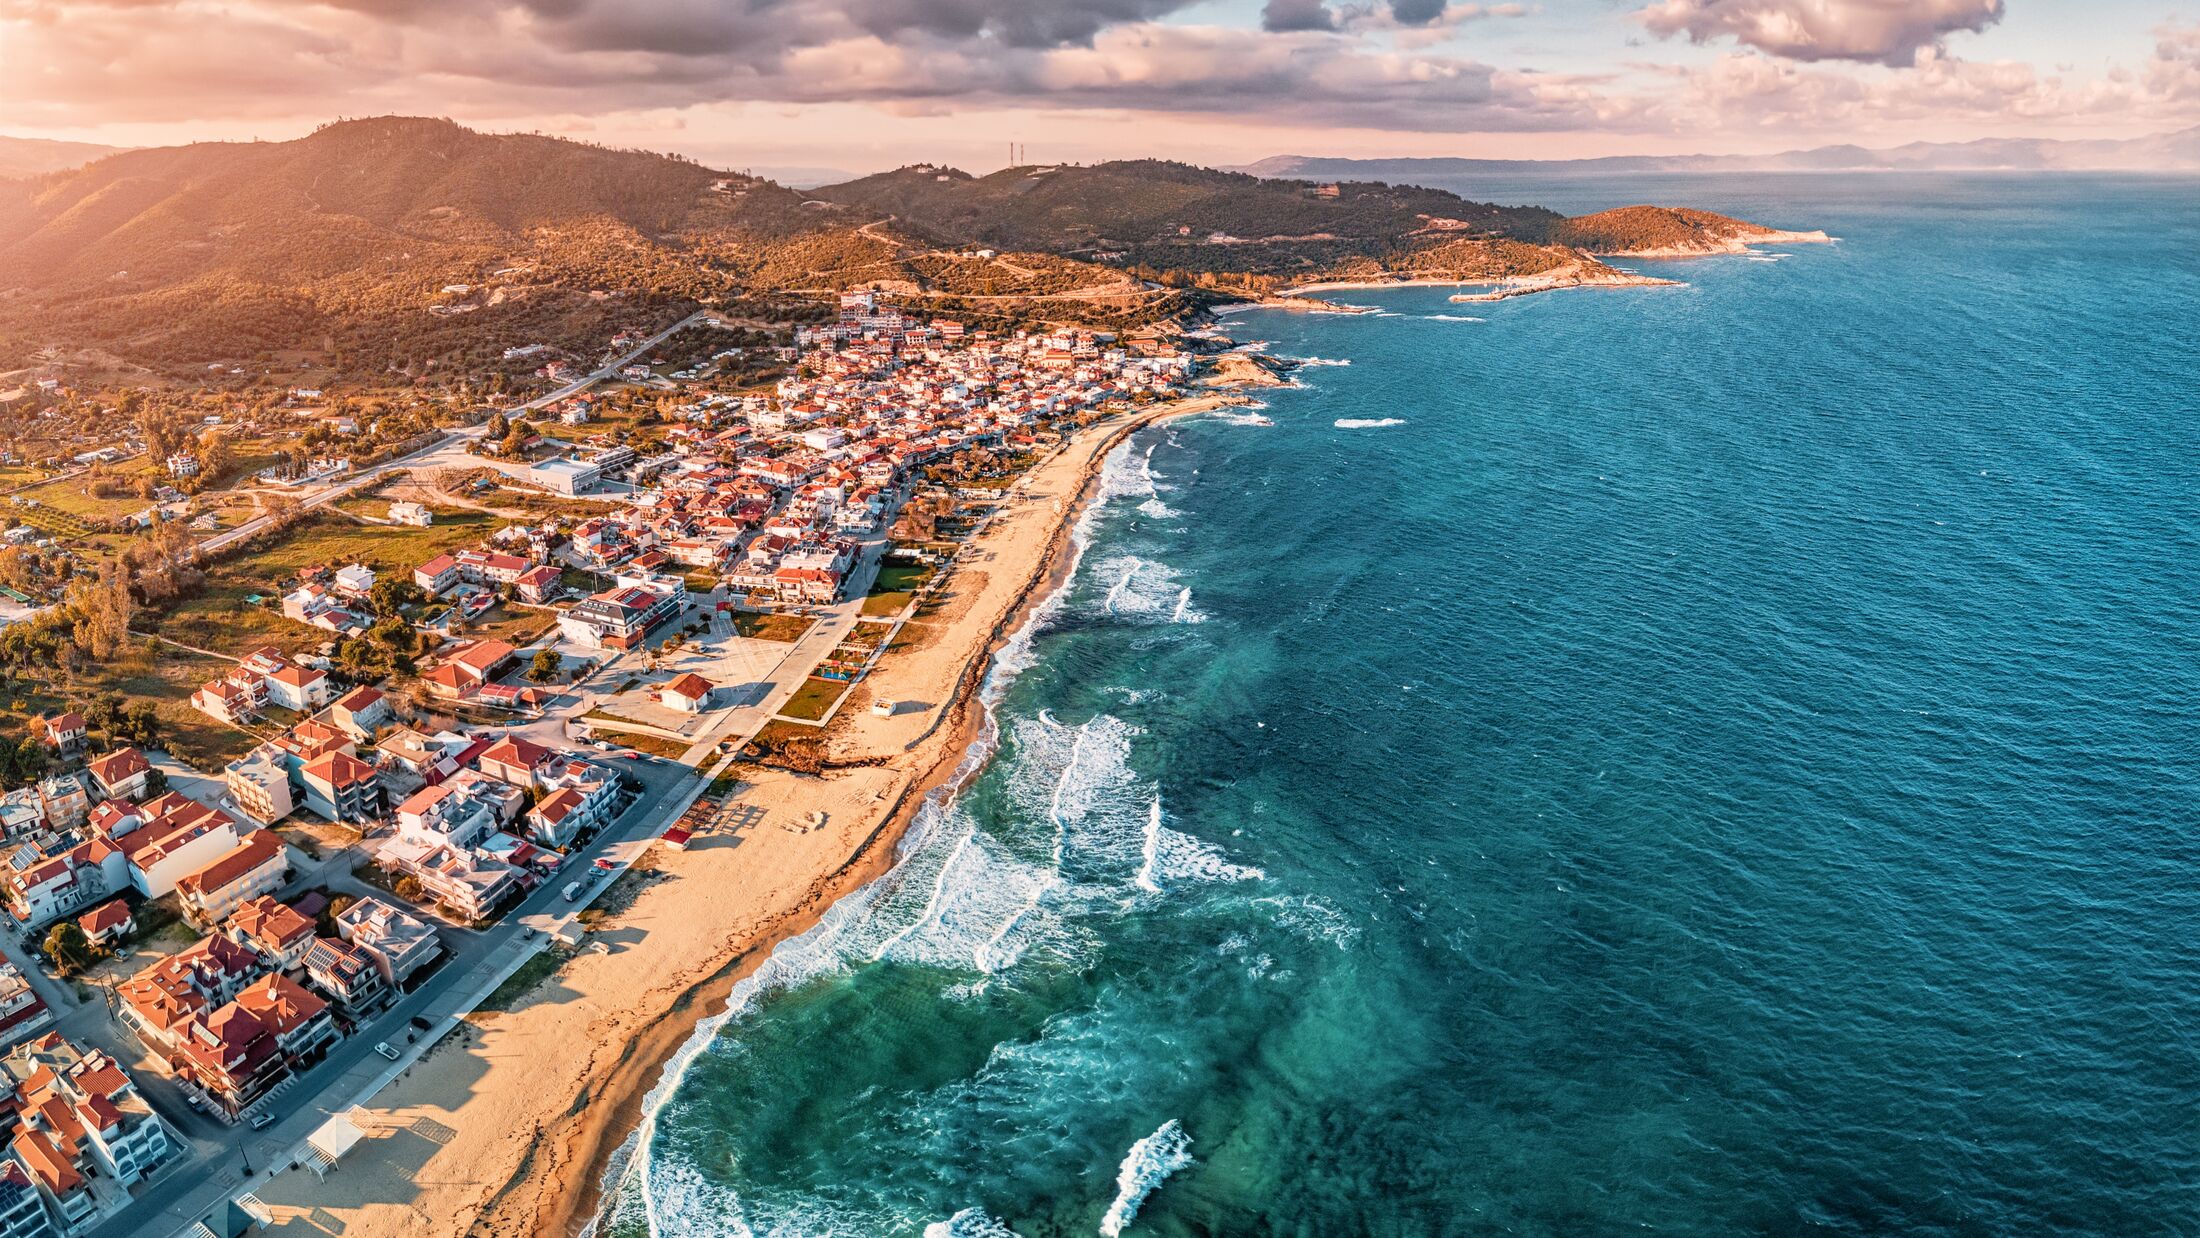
401,250
410,246
33,156
1667,232
1172,216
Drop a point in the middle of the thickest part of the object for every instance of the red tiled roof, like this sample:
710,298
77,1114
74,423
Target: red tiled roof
110,914
358,699
338,769
118,765
254,853
690,685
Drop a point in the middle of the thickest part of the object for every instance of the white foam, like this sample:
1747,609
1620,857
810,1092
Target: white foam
1237,418
1150,853
969,1223
1150,1162
1317,361
1146,590
1368,423
1157,509
1454,318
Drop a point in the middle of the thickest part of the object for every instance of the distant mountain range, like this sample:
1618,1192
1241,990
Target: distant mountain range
2164,152
36,156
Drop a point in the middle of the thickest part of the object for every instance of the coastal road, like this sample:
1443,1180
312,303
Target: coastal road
215,1169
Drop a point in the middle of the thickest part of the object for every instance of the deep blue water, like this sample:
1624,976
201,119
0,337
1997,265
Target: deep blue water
1723,762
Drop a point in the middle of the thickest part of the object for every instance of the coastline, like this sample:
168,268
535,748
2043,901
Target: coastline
537,1098
575,1200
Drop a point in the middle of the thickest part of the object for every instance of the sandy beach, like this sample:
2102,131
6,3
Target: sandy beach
502,1130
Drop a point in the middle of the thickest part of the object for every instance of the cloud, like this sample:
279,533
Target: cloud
1285,16
2174,73
1889,32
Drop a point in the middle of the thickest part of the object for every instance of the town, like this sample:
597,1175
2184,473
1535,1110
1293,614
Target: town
416,718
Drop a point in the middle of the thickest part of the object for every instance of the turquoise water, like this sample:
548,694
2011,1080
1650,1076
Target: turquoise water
1721,762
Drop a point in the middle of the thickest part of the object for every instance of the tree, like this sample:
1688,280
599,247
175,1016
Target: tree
395,633
407,887
102,606
546,666
67,948
140,725
156,782
498,426
392,593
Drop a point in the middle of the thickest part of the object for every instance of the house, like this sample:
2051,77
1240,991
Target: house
445,814
65,733
539,584
410,513
224,701
556,820
120,775
348,975
301,1023
64,800
470,885
689,693
108,923
78,1116
361,712
230,1057
355,580
512,759
482,660
178,837
436,575
277,931
22,1011
340,787
400,945
623,616
301,688
469,668
259,784
161,998
22,1207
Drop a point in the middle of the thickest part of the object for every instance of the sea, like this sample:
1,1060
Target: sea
1710,760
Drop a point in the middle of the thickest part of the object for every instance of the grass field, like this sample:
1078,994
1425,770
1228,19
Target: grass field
813,699
75,498
151,671
220,618
788,628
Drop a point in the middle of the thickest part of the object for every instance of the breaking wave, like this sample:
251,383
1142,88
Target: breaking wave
1368,423
1150,1162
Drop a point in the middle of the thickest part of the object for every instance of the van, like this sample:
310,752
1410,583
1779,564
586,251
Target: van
572,890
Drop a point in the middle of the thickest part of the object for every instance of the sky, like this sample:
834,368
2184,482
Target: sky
795,86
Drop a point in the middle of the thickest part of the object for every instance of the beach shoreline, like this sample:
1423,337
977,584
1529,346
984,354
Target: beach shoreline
557,1186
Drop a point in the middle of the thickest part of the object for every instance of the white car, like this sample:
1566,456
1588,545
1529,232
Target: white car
385,1050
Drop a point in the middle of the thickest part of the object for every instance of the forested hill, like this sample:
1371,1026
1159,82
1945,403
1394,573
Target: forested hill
406,250
1172,215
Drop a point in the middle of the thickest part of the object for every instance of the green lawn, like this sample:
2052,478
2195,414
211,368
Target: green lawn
886,603
540,966
74,496
813,699
789,628
901,577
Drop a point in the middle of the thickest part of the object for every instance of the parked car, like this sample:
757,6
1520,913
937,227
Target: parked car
421,1022
385,1050
261,1121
